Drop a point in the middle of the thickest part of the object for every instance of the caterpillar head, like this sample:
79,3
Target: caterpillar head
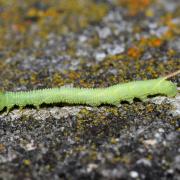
2,100
167,87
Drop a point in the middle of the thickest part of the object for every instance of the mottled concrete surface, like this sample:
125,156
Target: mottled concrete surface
90,43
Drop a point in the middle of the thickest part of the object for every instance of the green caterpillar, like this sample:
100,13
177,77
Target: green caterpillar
112,95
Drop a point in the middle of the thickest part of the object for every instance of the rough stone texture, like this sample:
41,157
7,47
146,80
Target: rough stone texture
89,44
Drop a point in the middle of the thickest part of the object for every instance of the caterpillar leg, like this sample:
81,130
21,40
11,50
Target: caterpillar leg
142,98
37,106
130,101
8,108
21,108
93,103
116,103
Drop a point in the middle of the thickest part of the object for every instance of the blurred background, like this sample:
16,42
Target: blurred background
89,43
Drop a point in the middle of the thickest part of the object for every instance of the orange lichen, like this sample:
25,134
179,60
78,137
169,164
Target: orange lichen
2,148
18,28
156,42
151,42
135,6
134,52
145,43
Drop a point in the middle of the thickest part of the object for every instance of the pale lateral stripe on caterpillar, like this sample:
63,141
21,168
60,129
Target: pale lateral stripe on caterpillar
111,95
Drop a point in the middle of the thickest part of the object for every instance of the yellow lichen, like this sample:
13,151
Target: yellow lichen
27,162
